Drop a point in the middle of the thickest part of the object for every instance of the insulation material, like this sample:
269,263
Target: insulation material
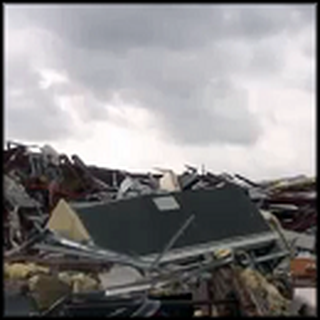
266,294
66,222
79,281
84,283
19,271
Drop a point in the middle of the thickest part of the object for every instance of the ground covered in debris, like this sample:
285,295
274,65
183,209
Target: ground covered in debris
83,240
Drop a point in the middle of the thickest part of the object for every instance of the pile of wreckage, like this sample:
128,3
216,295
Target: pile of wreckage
82,240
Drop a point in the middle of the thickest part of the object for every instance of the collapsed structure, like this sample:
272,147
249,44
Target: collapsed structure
114,243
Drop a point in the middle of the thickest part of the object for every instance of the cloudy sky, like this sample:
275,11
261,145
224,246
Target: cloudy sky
142,86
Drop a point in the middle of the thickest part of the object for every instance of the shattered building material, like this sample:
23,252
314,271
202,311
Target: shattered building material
114,243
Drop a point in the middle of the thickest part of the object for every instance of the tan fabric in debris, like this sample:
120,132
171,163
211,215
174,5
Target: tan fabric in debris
65,221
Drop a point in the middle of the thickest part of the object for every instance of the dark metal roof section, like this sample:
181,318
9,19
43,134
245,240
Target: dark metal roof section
144,224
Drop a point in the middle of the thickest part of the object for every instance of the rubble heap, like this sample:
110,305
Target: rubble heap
114,243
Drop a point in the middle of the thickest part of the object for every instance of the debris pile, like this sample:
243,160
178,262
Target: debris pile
114,243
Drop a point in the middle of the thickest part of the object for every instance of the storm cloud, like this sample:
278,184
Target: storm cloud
189,67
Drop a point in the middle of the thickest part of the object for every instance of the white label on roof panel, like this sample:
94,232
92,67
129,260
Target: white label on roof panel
166,203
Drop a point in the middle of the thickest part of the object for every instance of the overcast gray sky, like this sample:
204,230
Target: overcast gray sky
141,86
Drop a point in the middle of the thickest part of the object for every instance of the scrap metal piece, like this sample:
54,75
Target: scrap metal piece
147,309
165,280
55,243
247,181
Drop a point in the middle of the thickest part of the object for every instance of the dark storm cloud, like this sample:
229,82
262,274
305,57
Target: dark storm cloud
169,26
178,62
